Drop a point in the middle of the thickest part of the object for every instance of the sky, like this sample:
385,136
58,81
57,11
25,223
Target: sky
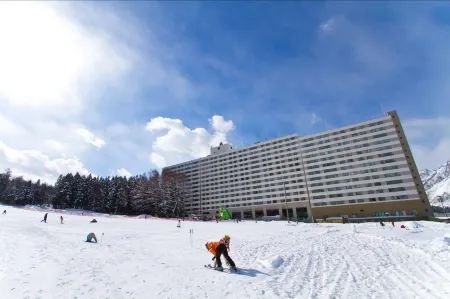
121,88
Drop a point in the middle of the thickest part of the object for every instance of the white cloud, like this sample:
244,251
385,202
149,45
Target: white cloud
180,143
158,160
62,72
219,124
123,172
64,166
55,145
33,164
328,25
314,118
429,139
47,60
89,137
52,70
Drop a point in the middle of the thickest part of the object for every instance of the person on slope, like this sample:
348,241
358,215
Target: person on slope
4,212
62,219
45,218
91,237
218,249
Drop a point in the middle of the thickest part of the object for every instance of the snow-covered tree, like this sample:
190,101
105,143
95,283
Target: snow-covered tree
152,193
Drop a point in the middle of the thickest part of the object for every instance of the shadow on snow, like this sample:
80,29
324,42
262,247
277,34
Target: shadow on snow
251,272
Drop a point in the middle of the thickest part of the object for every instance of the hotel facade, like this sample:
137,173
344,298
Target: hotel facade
362,170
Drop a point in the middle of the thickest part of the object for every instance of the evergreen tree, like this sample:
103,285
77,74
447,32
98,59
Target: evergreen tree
162,195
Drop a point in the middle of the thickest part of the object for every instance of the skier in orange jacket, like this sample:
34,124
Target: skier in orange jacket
221,248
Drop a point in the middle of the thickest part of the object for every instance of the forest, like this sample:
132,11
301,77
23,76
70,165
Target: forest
153,193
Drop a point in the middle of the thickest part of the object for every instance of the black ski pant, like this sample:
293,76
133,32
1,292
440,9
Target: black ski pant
222,250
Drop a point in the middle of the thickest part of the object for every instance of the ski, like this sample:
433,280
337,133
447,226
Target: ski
225,270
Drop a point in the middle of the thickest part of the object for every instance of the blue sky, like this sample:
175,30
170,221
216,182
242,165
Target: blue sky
263,68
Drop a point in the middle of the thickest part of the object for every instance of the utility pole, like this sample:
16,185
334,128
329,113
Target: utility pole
285,202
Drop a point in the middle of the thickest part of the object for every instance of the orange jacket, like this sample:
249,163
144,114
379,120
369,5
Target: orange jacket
212,246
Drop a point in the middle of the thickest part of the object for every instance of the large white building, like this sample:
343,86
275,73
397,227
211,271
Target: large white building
365,169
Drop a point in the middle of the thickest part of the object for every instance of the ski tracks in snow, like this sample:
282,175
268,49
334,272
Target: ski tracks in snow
322,266
151,259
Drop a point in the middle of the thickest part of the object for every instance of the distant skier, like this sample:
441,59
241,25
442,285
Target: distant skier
179,223
393,224
45,218
381,223
93,221
62,219
90,237
4,212
221,248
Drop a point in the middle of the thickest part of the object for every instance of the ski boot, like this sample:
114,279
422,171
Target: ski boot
219,269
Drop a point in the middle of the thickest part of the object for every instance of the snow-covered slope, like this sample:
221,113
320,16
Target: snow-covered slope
142,259
437,183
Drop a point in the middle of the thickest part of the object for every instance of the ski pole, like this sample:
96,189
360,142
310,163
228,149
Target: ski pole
101,238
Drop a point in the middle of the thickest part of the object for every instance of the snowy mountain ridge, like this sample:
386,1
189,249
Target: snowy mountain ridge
437,184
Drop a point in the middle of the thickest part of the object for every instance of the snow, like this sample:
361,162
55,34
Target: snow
439,189
437,183
272,262
152,258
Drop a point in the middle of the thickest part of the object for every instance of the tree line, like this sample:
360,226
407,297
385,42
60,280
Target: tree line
153,193
439,202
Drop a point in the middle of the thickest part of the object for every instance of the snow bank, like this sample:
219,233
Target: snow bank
415,227
272,262
447,239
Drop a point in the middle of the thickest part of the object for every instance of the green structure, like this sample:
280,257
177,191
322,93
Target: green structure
224,214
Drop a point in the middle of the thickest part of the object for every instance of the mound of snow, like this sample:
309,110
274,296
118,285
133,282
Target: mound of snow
273,262
415,227
447,239
416,224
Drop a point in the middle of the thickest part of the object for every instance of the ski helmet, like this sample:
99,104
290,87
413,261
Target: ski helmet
227,237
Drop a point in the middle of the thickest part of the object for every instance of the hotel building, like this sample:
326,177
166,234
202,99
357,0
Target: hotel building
362,170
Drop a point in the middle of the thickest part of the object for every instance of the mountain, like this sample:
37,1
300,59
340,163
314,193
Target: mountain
437,184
